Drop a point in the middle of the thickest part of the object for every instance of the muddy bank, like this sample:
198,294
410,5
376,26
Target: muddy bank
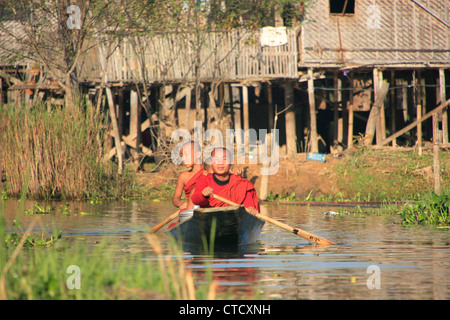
295,175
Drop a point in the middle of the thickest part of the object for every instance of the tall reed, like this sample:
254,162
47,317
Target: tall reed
61,150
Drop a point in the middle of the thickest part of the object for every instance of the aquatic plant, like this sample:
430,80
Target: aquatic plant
431,210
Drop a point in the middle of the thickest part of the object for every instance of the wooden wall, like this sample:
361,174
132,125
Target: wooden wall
379,32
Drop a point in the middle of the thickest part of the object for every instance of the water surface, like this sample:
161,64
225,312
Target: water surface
413,262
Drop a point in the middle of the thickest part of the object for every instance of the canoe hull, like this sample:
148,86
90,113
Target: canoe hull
234,227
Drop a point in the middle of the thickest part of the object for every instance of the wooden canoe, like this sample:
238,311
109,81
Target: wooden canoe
234,227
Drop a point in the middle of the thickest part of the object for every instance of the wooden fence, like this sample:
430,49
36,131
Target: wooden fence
180,57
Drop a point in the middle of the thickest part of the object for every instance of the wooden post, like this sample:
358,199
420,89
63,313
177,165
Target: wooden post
336,107
270,106
236,102
264,190
419,129
135,123
291,132
374,115
393,107
246,118
312,112
380,121
350,125
245,107
188,109
117,140
382,109
418,90
405,100
436,151
236,106
120,112
443,97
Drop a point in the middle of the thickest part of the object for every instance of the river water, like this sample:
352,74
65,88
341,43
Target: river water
375,256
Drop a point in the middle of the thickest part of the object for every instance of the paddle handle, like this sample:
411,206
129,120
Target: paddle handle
304,234
165,221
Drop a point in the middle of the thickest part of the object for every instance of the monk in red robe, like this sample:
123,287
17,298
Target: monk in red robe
224,184
191,155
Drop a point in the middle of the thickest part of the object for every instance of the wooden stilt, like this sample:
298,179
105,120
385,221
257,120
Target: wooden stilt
418,90
245,107
135,119
393,107
405,100
117,140
120,112
264,190
419,129
350,126
312,112
270,106
374,115
245,118
382,109
436,151
442,98
236,106
188,109
336,107
291,132
380,121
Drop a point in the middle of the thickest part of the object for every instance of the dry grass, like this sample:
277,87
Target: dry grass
59,153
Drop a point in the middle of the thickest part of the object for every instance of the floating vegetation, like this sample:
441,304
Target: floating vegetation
431,210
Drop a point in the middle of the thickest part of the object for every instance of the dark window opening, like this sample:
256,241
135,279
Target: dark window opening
342,6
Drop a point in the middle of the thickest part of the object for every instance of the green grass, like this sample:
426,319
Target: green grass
39,267
375,175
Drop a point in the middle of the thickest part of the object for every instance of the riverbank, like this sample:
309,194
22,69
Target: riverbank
357,175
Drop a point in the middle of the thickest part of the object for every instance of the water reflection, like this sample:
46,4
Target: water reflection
414,262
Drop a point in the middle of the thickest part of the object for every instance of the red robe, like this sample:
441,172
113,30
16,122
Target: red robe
190,185
238,190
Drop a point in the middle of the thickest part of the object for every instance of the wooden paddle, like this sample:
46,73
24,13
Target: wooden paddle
165,221
304,234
